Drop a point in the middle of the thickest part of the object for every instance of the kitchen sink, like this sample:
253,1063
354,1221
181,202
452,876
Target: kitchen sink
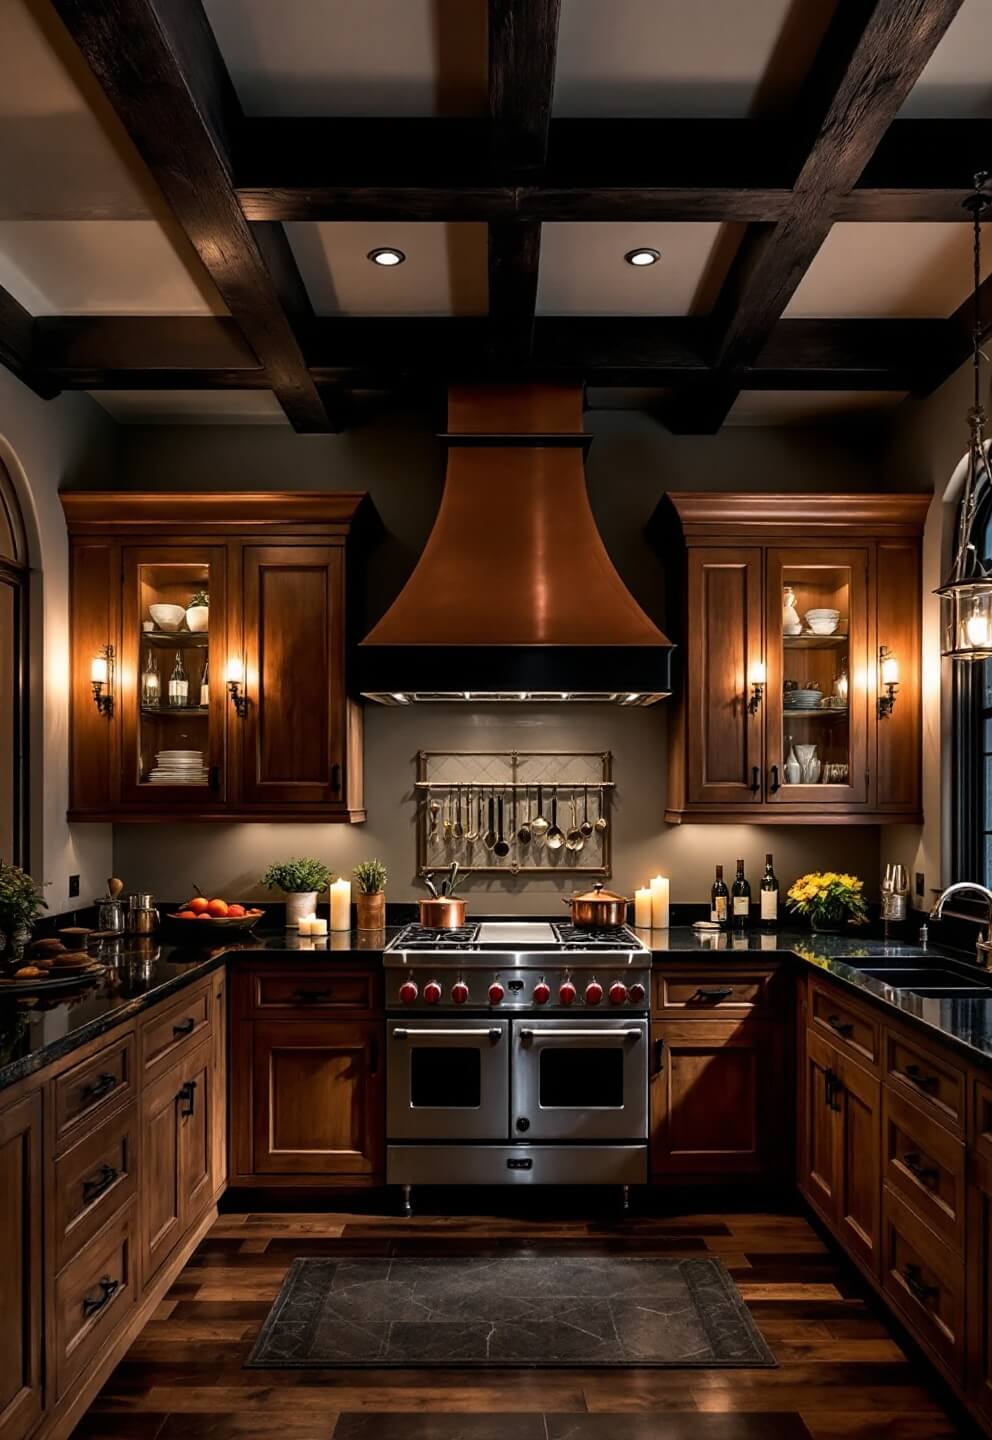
930,982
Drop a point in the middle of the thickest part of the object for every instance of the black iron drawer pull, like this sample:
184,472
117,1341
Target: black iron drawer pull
720,993
839,1026
312,997
187,1096
832,1088
108,1289
96,1187
914,1074
185,1027
774,781
755,780
923,1173
917,1286
100,1087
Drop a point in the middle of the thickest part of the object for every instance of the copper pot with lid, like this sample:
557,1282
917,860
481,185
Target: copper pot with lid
597,908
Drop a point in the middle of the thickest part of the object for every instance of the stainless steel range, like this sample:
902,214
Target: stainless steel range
517,1054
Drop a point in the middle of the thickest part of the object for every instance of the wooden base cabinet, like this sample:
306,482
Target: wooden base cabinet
734,561
287,744
177,1153
21,1394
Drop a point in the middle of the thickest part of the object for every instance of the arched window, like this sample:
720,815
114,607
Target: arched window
972,708
13,677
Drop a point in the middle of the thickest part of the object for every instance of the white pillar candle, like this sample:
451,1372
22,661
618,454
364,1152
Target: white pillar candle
304,923
659,902
341,905
318,925
642,909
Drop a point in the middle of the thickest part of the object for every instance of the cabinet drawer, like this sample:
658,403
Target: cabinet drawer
924,1280
311,990
94,1296
92,1089
936,1084
168,1033
688,992
93,1180
853,1030
925,1166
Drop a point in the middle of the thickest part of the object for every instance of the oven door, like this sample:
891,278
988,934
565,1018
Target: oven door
448,1079
580,1079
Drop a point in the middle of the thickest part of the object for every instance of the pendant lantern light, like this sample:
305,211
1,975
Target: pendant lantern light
966,596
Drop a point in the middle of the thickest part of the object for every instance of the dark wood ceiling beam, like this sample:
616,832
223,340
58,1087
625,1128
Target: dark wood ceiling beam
17,351
160,67
870,59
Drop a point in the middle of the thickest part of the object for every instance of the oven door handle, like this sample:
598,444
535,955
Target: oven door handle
492,1033
527,1034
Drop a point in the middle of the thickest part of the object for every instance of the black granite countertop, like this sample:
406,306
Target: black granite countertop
38,1029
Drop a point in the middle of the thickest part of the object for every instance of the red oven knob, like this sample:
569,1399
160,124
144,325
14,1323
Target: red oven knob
566,992
637,993
408,992
594,992
618,992
542,992
496,993
459,992
432,992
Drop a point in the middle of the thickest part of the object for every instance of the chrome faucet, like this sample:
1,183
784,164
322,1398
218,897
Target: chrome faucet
983,948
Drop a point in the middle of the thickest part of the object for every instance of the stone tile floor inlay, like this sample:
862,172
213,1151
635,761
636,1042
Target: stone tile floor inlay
509,1311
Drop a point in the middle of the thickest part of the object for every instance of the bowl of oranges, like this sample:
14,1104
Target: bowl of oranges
221,914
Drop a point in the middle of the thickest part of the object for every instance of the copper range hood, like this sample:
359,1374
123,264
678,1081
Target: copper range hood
514,597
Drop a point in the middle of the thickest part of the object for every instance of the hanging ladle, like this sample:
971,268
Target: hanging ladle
523,834
586,827
458,829
555,836
574,839
501,848
490,837
601,822
539,825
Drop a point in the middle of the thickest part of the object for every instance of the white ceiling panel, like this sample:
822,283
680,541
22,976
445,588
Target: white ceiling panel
658,58
888,270
957,80
583,271
103,267
192,407
445,271
810,407
60,142
354,57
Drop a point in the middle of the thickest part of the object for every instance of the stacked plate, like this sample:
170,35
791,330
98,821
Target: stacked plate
178,767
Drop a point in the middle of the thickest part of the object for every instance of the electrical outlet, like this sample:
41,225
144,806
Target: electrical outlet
921,888
73,886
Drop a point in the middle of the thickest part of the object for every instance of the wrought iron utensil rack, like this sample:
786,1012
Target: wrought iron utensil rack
447,777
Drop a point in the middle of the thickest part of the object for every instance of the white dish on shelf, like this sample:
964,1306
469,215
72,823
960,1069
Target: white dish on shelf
168,617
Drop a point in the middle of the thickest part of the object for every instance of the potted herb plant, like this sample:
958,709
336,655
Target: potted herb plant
21,902
301,881
831,901
198,611
370,880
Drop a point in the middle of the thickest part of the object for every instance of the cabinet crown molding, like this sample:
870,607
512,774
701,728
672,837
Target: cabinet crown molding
784,513
213,511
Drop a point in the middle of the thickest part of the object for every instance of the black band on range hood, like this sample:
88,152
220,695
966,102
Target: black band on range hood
625,673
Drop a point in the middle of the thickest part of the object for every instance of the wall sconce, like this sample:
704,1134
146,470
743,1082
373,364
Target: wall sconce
102,680
235,677
888,669
758,677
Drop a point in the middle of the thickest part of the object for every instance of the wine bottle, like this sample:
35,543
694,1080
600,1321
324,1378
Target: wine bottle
719,898
178,682
741,899
769,896
205,683
151,687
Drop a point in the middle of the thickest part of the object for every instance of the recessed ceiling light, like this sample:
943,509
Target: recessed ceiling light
642,256
386,255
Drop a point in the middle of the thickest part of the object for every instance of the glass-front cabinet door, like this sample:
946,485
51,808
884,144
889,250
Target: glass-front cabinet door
172,681
816,636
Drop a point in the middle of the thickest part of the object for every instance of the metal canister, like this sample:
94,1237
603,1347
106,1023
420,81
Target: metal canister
111,915
142,916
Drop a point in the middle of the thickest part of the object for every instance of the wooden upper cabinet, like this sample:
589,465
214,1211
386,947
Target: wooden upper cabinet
812,746
175,745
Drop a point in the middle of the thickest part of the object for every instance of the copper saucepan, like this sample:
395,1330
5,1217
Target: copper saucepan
442,913
597,908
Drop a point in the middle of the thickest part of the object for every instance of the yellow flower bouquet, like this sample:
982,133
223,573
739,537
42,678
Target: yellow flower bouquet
829,899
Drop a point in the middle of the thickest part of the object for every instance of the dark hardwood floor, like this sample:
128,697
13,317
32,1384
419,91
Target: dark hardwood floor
843,1374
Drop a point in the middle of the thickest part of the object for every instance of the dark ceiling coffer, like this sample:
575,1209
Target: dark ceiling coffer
515,597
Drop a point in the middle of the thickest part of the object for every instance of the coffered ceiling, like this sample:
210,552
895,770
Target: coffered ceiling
189,195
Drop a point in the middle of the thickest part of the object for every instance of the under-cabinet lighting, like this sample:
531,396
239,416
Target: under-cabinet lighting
643,255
